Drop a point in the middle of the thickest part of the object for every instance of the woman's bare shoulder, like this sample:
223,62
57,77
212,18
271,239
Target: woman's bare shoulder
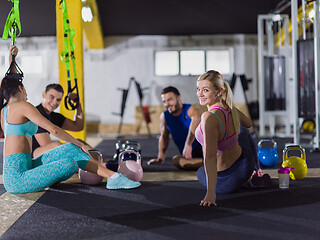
208,116
24,107
24,104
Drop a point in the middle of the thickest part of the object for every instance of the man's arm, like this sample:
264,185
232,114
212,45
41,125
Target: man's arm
78,123
194,113
163,142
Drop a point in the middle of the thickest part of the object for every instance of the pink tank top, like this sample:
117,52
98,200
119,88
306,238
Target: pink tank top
227,142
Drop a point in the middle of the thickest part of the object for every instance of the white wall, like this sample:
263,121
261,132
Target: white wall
126,57
108,69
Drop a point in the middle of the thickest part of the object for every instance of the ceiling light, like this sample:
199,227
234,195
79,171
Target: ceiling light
86,13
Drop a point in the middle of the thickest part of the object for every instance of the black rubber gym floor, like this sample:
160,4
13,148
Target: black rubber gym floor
170,210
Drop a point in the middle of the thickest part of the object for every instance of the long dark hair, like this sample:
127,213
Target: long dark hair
9,87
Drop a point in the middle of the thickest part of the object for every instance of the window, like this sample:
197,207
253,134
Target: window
219,60
167,63
193,62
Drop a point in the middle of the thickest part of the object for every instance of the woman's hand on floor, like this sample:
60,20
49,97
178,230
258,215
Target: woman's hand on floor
209,200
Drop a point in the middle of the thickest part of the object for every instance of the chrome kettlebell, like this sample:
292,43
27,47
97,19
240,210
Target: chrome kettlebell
120,146
268,156
298,164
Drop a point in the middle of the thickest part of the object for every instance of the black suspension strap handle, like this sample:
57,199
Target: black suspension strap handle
73,103
18,74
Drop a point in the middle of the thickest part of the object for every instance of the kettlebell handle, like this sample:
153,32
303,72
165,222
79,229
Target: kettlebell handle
129,151
131,144
267,140
100,157
294,147
121,144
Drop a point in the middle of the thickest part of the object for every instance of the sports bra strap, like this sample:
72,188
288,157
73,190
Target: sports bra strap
220,123
226,113
10,104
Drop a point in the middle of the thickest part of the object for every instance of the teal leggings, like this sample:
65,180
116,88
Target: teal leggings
22,174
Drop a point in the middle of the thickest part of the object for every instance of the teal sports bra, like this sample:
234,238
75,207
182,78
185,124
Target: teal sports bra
27,129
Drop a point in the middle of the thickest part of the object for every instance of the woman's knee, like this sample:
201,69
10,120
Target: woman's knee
73,151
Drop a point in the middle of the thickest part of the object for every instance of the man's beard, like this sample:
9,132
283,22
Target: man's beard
176,108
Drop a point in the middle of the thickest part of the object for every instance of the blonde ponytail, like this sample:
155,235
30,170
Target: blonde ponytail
229,101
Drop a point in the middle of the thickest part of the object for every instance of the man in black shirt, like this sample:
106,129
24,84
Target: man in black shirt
52,96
